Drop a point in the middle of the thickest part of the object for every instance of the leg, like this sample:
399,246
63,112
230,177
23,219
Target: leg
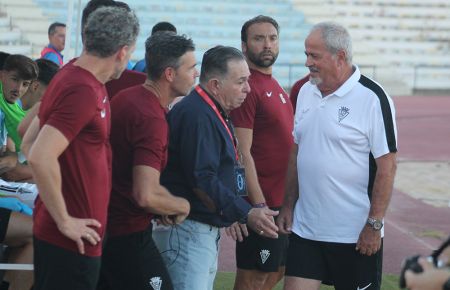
190,251
56,268
306,266
351,270
20,243
260,262
296,283
133,262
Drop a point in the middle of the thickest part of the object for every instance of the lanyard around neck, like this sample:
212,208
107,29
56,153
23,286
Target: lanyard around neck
208,100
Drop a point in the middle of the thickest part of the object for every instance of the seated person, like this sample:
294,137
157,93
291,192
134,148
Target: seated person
16,233
31,99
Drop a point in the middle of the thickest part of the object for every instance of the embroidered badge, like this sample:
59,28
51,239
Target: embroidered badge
264,255
269,94
156,283
342,113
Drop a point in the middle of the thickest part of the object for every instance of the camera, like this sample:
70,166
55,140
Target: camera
412,263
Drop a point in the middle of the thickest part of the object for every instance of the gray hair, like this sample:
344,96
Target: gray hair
215,62
336,38
108,29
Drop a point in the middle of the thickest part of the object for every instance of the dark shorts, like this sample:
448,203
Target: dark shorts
5,214
56,268
133,262
336,262
256,252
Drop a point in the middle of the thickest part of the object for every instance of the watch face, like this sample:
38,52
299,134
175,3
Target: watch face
377,225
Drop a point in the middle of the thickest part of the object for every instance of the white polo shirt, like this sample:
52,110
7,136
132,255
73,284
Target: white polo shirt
337,135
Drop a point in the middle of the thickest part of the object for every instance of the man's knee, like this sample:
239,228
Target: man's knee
250,280
295,283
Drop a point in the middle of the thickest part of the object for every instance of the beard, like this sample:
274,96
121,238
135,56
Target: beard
315,81
258,59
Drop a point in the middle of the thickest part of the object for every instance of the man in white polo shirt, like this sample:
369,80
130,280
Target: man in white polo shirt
341,170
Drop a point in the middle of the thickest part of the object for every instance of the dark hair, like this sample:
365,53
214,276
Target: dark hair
108,29
215,62
163,26
3,57
164,49
53,26
25,67
47,70
93,5
257,19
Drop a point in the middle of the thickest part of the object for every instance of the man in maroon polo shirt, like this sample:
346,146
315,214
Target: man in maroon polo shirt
264,126
71,156
139,140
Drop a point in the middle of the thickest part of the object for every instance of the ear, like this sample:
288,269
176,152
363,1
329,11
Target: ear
35,85
341,56
122,53
169,73
244,47
214,86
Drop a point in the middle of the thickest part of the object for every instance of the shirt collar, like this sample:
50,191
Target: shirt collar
346,87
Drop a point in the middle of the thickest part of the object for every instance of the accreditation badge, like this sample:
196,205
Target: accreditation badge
241,184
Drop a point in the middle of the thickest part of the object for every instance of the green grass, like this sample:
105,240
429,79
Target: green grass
225,281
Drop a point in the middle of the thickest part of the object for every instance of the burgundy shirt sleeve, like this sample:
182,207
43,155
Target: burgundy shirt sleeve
73,111
149,145
296,89
244,116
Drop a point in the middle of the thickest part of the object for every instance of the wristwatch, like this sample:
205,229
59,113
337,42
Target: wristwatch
375,224
446,285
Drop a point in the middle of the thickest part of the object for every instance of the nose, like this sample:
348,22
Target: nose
196,73
267,42
308,61
247,88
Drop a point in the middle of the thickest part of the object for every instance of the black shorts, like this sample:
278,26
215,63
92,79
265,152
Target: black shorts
133,262
56,268
5,214
256,252
336,262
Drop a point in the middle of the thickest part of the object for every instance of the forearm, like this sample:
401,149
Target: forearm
47,175
255,193
383,186
161,201
292,189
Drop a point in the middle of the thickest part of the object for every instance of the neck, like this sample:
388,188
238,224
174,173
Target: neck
161,92
26,102
101,68
338,82
216,98
264,70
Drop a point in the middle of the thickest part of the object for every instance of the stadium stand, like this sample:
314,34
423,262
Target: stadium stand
409,39
403,44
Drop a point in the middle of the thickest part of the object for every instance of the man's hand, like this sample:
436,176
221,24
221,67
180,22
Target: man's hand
430,279
80,229
284,220
261,221
369,241
237,231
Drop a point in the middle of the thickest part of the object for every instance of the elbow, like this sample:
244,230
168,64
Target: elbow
143,199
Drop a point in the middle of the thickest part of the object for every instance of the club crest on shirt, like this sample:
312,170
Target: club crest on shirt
103,113
156,283
343,112
264,255
269,94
